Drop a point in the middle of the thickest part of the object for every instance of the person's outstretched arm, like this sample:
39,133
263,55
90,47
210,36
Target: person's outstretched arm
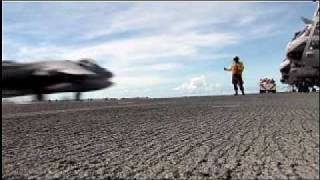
227,69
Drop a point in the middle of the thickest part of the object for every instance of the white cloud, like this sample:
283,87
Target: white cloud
139,81
199,85
134,52
161,67
170,29
151,48
180,17
45,52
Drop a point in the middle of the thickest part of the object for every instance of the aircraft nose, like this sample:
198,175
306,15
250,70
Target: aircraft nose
108,74
103,72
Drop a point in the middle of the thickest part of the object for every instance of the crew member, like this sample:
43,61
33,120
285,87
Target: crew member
236,69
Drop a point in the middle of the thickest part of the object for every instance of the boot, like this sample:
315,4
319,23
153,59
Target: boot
236,93
242,91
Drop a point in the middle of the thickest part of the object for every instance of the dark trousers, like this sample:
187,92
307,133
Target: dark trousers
237,81
235,87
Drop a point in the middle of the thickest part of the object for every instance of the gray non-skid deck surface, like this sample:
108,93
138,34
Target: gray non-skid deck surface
256,136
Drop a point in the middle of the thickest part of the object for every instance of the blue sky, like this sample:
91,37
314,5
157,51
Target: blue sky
157,49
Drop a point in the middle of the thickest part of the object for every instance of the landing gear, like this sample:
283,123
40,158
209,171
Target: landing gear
306,89
78,96
293,89
39,97
303,88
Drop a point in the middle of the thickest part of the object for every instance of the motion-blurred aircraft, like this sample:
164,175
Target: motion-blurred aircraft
39,78
300,68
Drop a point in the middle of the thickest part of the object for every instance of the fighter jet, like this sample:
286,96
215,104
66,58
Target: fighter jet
46,77
300,68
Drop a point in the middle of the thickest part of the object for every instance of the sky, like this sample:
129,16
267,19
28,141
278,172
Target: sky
157,49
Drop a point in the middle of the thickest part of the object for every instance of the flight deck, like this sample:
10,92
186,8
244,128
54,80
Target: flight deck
267,136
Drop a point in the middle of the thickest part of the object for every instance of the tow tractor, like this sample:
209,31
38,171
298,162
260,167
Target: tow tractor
267,86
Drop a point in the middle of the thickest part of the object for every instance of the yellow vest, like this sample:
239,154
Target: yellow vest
237,68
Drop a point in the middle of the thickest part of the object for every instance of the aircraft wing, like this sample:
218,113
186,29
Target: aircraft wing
65,67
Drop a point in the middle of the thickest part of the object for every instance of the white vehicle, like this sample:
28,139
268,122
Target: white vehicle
267,86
